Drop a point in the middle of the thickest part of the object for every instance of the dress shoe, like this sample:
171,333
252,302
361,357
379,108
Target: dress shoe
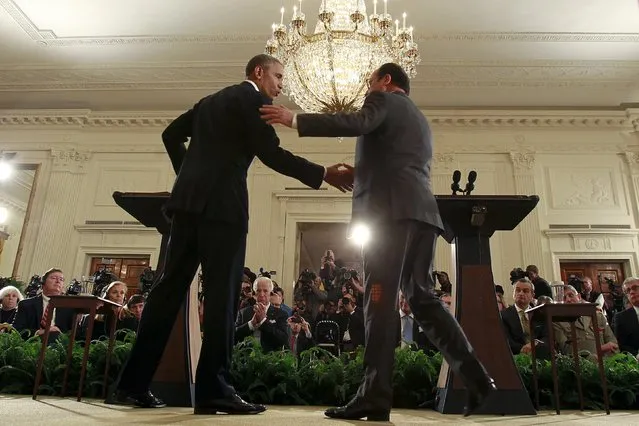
229,405
356,410
477,398
138,399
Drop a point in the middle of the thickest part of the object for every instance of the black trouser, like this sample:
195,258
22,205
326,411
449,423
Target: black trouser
220,248
400,256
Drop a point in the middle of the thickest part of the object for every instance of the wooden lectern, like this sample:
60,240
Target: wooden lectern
174,380
469,223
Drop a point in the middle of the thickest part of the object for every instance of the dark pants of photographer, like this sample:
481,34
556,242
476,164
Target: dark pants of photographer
220,248
400,256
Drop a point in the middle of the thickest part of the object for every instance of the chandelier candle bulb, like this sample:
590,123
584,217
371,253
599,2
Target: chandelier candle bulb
282,16
327,66
404,16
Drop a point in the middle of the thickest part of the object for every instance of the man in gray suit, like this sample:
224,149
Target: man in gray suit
392,197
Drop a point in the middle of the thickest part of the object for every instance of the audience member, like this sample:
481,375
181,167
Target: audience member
300,338
410,333
542,288
627,321
10,296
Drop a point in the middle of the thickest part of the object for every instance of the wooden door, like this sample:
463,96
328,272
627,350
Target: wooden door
598,273
127,269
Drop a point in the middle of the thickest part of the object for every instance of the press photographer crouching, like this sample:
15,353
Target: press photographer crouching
309,292
301,337
347,280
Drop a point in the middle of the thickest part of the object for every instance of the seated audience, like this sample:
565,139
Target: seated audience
410,333
627,322
32,313
591,296
126,320
301,338
277,299
584,331
262,320
501,303
354,335
516,323
10,296
135,305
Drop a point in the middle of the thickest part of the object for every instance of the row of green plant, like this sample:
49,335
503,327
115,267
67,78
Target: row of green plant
315,378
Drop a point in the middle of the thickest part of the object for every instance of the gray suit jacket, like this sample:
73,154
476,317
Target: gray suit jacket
392,157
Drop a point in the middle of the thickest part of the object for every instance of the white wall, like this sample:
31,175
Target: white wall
583,165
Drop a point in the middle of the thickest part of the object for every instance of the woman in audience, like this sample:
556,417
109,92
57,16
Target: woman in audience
9,298
501,303
114,292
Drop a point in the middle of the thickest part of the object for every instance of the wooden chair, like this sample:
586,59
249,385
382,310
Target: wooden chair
566,312
91,305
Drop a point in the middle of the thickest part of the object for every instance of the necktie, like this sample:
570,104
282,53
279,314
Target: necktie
407,326
45,316
293,341
525,325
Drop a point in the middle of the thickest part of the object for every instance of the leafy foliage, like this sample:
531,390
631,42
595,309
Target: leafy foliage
317,377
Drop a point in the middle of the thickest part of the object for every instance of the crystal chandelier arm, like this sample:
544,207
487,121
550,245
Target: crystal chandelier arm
358,123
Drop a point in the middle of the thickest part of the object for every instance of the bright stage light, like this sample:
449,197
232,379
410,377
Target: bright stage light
360,234
4,215
6,170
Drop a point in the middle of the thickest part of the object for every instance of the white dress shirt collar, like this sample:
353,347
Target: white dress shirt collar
253,84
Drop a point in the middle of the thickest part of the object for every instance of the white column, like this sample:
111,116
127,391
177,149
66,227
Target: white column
529,229
56,229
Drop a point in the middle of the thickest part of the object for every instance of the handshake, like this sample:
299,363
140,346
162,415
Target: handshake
340,176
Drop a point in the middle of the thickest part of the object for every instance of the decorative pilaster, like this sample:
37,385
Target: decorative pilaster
529,229
632,158
441,175
56,230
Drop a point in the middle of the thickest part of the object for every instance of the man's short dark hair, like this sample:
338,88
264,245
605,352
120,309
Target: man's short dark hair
532,268
262,60
398,76
136,299
279,290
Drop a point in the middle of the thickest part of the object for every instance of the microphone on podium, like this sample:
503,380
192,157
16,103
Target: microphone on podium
455,185
470,186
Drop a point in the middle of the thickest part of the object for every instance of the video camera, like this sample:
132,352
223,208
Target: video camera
305,280
147,278
577,282
75,288
35,284
101,279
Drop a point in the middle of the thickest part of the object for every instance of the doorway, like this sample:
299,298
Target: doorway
317,237
599,272
127,269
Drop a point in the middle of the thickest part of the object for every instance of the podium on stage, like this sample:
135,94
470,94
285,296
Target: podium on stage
469,223
175,376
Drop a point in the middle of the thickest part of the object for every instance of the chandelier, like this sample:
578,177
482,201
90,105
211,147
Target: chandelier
328,70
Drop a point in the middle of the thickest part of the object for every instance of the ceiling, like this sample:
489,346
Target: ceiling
150,55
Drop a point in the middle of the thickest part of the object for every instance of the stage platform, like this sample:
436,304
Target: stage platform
22,410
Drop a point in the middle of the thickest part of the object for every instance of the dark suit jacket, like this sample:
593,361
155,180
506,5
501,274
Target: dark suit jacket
355,327
30,313
392,157
542,288
273,333
514,332
226,133
627,331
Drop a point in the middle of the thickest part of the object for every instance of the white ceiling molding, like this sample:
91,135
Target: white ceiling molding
606,120
434,74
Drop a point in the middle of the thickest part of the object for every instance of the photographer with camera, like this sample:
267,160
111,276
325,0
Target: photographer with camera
327,269
309,288
348,283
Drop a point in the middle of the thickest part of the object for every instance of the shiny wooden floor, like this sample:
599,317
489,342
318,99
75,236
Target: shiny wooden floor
22,410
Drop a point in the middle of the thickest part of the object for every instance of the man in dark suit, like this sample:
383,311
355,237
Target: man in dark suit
627,322
31,312
209,211
517,324
408,330
354,330
392,197
300,337
263,320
